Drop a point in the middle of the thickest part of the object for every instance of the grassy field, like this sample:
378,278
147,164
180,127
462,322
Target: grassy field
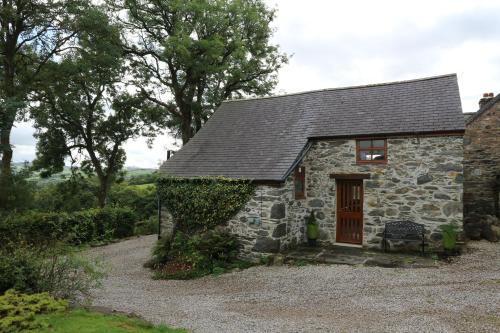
83,321
35,177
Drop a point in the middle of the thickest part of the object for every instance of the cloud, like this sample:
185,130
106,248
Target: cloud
349,43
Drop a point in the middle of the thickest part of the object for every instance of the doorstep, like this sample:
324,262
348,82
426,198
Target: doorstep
343,255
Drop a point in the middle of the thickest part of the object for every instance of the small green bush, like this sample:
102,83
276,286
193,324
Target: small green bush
210,252
147,227
17,192
449,233
160,254
74,194
140,198
57,270
92,225
18,311
19,269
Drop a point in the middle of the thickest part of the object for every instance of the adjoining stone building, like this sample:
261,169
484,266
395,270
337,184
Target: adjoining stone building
482,170
358,157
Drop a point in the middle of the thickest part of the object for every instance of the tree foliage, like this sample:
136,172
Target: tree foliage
84,113
199,53
31,33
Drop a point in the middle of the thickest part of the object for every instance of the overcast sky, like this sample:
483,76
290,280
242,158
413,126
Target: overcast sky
344,43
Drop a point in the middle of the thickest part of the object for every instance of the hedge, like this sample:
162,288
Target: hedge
200,204
92,225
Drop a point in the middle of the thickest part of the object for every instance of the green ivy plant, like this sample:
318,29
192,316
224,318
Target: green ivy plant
200,204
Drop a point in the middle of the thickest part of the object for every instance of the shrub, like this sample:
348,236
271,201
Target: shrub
92,225
200,204
449,232
210,252
19,269
18,311
160,253
57,270
148,227
148,178
75,194
17,191
140,198
65,274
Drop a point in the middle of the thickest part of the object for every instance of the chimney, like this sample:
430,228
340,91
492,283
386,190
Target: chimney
486,98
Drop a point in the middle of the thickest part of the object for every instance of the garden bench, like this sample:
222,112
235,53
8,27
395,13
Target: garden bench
404,230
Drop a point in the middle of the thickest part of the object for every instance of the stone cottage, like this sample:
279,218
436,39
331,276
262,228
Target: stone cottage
357,156
482,170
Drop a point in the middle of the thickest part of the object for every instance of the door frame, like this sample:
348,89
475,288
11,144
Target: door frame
337,205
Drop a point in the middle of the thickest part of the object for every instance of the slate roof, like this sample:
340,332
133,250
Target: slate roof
262,138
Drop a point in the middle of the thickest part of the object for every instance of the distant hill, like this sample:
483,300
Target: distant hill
131,172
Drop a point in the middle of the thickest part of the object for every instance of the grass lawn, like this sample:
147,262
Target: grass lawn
83,321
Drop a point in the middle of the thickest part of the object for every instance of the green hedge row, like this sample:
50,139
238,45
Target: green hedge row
92,225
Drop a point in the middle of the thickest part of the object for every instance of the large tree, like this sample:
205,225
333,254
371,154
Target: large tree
190,55
83,110
31,33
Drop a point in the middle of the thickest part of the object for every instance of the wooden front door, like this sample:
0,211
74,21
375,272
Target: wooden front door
350,211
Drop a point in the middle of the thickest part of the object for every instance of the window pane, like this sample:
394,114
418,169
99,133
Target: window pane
365,143
378,143
365,155
378,155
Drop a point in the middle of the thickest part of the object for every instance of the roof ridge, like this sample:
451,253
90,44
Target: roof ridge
344,88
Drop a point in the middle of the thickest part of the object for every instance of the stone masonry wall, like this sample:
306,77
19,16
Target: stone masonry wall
271,221
482,172
422,181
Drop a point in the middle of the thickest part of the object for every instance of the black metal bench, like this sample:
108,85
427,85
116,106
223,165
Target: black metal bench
404,230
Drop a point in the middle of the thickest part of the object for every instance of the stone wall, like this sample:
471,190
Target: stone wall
422,181
482,173
271,221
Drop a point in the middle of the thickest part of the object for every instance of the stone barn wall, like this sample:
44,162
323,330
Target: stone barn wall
482,173
422,181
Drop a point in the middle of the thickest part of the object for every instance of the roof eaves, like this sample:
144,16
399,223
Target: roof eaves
299,158
366,135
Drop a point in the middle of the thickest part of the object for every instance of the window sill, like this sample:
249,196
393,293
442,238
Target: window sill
371,162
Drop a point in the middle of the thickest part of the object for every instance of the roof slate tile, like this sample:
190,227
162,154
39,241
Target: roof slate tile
261,138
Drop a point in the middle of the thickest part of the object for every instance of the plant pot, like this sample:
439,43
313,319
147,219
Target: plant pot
312,233
311,242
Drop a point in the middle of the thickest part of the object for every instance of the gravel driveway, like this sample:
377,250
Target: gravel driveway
459,297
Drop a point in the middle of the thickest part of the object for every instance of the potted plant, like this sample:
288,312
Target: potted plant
312,230
449,233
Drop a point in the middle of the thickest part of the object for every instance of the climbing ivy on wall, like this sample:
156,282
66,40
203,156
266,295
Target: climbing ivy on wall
200,204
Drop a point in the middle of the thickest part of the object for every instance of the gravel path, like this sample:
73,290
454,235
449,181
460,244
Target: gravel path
459,297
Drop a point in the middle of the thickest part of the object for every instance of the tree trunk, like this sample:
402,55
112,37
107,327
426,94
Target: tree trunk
6,171
102,193
186,121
